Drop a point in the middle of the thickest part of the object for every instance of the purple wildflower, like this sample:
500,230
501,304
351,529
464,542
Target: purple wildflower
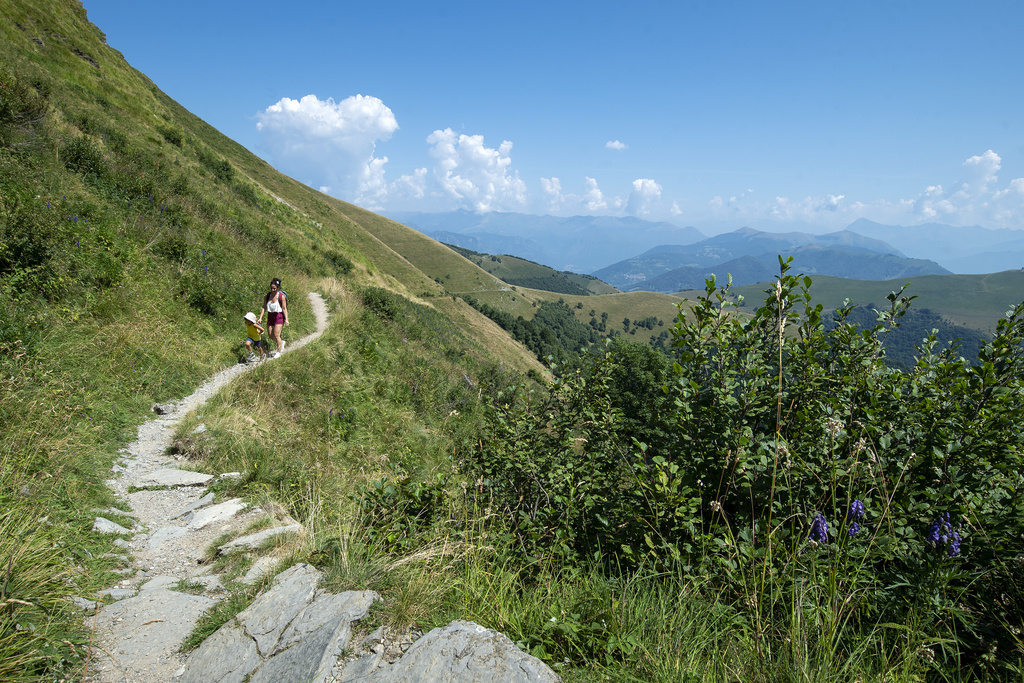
943,536
819,529
853,516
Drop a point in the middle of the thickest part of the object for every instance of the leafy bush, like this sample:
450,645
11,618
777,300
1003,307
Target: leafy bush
801,477
384,303
80,155
21,109
248,194
221,168
342,265
171,135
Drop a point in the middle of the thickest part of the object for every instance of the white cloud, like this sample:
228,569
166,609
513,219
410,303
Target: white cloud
675,210
616,145
979,172
971,199
832,202
330,144
373,189
554,200
974,198
594,199
645,194
411,186
473,175
1016,186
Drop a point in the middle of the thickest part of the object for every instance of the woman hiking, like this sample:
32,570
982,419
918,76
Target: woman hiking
275,305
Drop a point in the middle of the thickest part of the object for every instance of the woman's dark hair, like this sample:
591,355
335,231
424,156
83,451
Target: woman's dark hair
275,281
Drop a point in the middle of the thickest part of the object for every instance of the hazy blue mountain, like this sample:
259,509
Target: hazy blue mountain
857,264
966,249
749,241
745,270
1005,256
844,254
577,243
812,259
488,243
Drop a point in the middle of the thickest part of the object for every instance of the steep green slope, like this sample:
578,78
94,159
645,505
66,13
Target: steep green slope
133,237
520,272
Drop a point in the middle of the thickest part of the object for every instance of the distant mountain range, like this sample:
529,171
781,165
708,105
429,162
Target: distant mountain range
578,243
751,256
968,249
627,251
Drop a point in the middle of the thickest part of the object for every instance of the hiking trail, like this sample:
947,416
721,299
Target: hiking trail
137,637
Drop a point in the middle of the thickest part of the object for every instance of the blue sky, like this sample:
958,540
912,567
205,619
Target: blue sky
712,114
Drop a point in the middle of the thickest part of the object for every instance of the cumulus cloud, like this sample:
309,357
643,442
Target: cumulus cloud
592,200
645,193
616,145
554,200
831,202
412,185
473,175
972,199
330,144
979,172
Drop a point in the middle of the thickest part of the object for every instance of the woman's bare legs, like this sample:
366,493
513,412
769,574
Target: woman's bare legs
275,335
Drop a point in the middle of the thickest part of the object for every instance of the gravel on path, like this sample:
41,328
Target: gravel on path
137,638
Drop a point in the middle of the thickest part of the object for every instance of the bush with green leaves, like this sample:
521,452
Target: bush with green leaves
384,303
802,477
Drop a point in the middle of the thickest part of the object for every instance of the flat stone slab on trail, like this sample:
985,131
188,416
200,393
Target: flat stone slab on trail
293,632
215,513
253,541
172,477
195,505
144,639
165,534
103,525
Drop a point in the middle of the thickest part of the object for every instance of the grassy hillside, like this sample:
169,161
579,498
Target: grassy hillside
133,237
523,273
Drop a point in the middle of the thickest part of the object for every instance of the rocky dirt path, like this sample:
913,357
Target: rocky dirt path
174,521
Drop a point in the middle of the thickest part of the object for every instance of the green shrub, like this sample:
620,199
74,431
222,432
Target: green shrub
795,472
171,135
221,168
81,156
341,264
384,303
248,194
22,109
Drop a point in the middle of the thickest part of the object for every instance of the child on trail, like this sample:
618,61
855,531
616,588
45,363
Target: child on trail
255,331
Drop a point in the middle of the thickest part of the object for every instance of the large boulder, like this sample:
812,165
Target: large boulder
293,632
461,652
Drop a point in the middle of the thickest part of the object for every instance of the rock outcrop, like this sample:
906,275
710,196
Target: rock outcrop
297,632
